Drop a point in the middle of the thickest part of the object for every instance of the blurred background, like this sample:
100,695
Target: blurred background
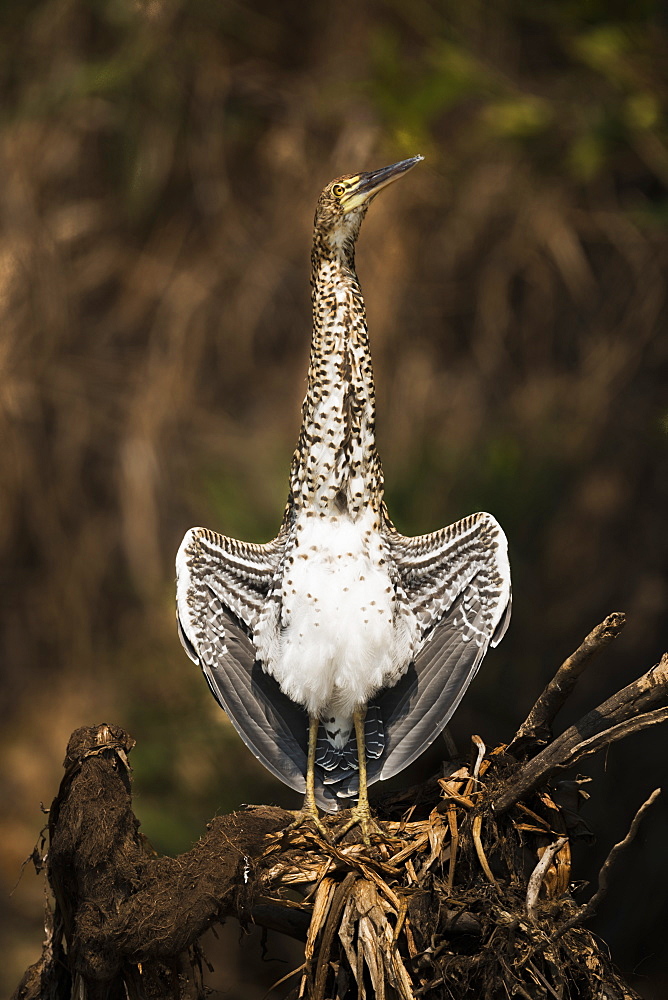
160,164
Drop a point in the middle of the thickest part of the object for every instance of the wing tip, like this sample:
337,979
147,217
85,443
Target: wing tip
503,622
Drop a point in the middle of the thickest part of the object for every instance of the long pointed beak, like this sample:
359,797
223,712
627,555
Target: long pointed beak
369,184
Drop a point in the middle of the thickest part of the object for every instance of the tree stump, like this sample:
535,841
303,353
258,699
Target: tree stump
466,894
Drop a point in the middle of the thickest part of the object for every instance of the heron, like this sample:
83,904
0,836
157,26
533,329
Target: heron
340,649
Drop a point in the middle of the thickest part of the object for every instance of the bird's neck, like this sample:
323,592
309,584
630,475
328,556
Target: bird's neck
336,468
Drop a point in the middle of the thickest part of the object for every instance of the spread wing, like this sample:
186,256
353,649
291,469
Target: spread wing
222,587
457,582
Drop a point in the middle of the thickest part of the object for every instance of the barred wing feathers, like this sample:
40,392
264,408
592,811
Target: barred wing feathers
222,587
457,581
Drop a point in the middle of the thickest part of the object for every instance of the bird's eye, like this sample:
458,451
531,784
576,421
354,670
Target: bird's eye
338,190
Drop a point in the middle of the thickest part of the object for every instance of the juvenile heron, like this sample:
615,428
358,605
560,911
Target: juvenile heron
340,649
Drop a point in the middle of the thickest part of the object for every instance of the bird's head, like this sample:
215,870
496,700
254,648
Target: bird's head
343,204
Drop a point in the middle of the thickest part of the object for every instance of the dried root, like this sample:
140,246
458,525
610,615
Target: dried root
467,892
459,903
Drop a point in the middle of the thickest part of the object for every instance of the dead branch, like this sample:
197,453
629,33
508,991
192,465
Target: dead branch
587,911
540,871
537,727
590,908
622,714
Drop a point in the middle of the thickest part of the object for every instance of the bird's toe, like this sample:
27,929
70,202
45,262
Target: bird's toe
361,817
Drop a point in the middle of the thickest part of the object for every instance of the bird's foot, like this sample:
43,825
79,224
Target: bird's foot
308,814
361,817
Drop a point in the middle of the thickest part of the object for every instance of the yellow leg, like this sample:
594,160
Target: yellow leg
363,794
361,815
309,798
309,809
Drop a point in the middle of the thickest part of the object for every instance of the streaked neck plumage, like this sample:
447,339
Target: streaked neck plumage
336,468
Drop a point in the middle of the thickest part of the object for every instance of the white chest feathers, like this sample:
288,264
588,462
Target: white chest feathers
340,633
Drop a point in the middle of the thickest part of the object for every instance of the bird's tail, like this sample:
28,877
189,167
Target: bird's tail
338,766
